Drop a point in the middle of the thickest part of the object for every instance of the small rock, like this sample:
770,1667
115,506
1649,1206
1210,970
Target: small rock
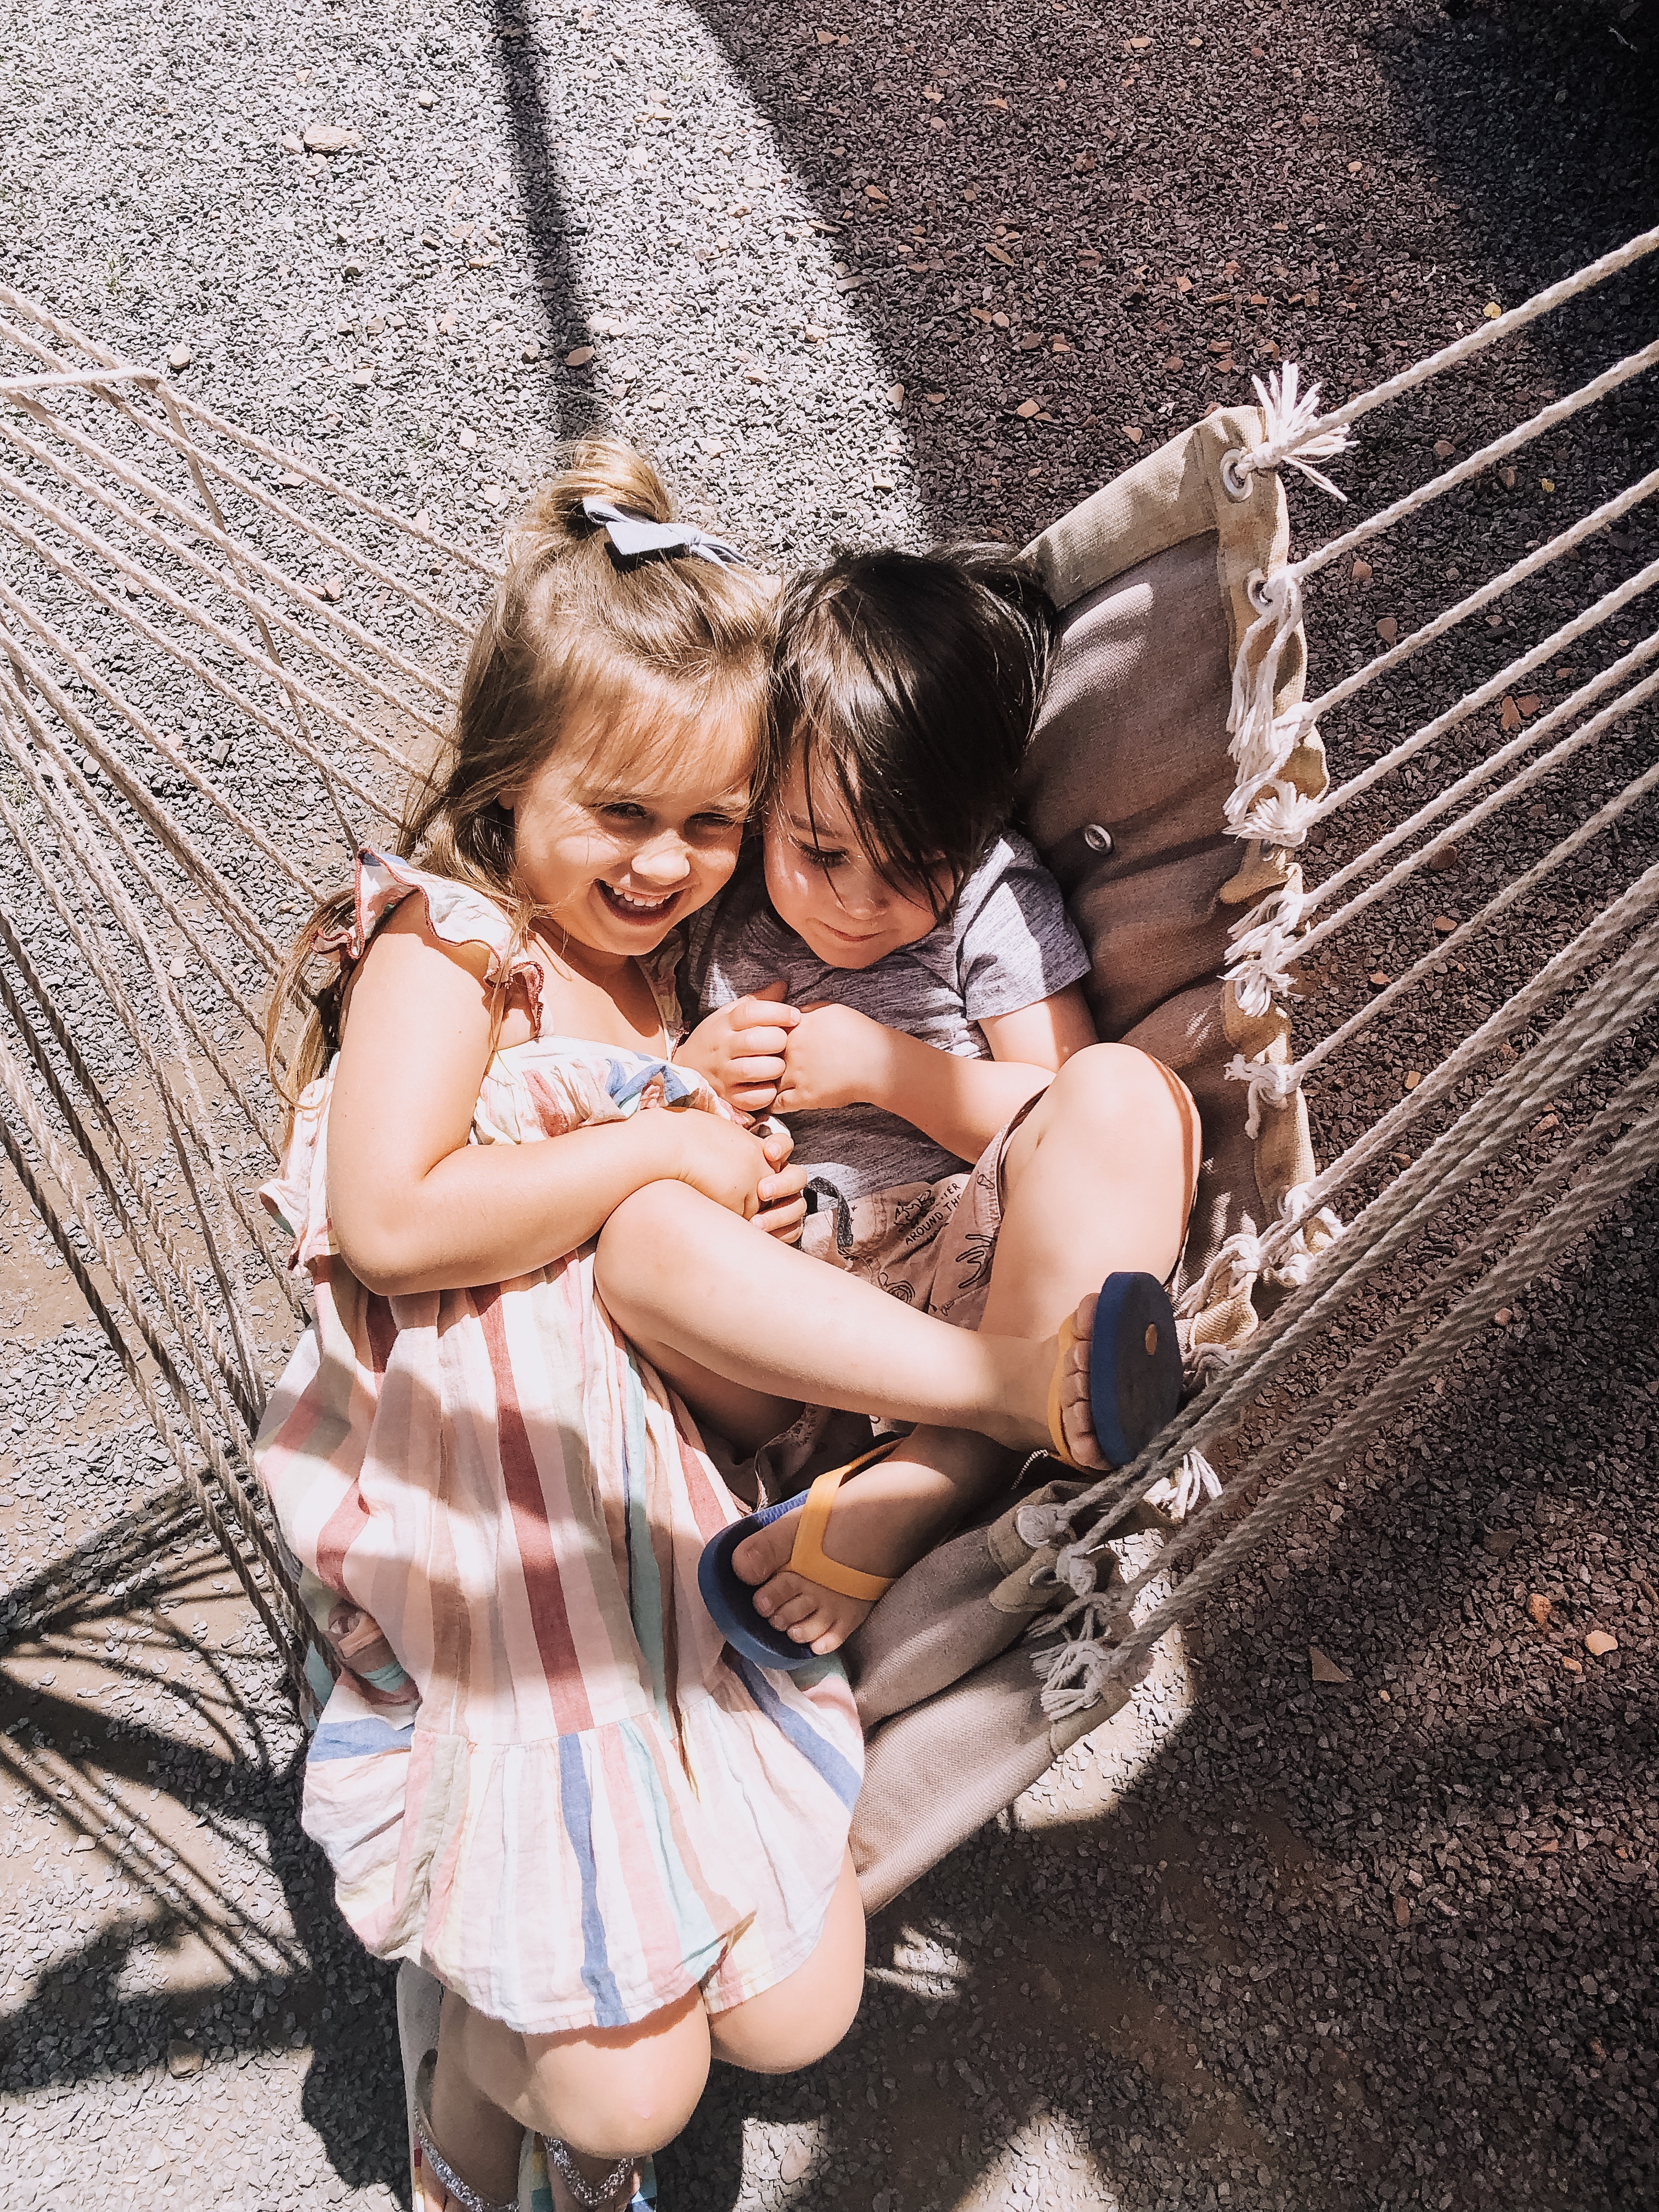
426,97
1572,1666
1509,715
1443,449
1502,1316
1379,979
1598,1644
179,357
1362,572
1403,1914
1444,861
814,334
423,519
1500,1542
1506,477
329,138
1414,1076
1027,408
797,2157
183,2058
895,395
469,438
1324,1669
1389,629
1443,925
1132,431
579,357
639,157
1538,1610
1491,310
291,142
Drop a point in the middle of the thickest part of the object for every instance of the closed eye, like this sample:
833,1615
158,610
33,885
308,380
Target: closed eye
817,856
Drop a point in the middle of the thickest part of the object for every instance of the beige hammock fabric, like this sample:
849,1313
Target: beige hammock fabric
217,669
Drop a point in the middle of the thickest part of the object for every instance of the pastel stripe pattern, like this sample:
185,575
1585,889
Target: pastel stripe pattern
540,1774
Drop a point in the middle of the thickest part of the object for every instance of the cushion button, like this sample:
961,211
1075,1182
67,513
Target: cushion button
1097,838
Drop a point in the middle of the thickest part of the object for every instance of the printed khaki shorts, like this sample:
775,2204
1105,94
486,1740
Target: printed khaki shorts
930,1244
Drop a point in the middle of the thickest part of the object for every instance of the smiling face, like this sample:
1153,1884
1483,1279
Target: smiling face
826,887
619,838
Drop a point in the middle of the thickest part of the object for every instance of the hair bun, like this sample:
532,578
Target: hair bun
597,468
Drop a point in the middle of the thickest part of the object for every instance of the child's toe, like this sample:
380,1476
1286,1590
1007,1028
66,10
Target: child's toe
759,1557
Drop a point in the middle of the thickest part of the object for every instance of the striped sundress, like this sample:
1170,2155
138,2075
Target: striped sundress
541,1773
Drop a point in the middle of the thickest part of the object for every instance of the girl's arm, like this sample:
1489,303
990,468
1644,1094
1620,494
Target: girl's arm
414,1206
839,1057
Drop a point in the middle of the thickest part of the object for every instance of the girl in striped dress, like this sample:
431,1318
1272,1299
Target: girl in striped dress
540,1774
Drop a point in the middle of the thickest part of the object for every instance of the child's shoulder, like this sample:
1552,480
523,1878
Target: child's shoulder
1013,866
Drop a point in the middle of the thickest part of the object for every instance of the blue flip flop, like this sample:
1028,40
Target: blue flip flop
1134,1368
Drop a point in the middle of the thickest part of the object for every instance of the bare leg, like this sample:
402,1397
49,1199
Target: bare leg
795,2022
701,1291
607,2092
1099,1176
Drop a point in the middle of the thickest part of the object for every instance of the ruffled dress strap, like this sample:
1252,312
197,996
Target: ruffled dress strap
456,914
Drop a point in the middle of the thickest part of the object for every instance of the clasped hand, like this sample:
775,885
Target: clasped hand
764,1057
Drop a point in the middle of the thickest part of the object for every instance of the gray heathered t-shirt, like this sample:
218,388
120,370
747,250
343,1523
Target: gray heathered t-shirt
1008,943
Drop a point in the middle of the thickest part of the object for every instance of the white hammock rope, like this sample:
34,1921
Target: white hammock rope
199,575
1456,1160
1555,548
132,1190
235,433
336,662
1265,951
172,433
1372,1360
208,678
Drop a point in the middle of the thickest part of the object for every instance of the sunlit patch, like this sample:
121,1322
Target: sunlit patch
775,2150
925,1963
668,272
1046,2161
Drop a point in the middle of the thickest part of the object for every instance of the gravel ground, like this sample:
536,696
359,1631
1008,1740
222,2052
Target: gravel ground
1263,1942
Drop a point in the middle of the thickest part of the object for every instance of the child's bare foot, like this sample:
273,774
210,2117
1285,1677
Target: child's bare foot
886,1517
1072,1400
878,1535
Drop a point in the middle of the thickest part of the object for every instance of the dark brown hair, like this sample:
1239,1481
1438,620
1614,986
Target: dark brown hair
576,637
913,680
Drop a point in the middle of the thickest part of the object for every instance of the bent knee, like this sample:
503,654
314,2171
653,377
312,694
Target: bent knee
616,2108
1121,1084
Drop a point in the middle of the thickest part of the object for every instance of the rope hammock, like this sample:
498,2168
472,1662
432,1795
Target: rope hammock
219,666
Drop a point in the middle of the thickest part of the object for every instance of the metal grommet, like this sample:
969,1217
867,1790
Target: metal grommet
1097,838
1237,476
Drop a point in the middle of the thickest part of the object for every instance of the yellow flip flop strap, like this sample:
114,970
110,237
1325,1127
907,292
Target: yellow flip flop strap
1056,1429
809,1557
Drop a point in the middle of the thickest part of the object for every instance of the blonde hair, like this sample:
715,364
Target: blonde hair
573,632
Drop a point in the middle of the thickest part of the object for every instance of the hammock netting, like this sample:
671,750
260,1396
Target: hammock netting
219,669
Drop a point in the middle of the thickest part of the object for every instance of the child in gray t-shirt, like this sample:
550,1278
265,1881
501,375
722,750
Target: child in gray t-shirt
893,972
